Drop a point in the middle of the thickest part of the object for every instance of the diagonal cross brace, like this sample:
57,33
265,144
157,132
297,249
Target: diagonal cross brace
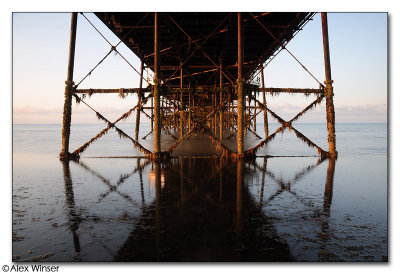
286,124
112,125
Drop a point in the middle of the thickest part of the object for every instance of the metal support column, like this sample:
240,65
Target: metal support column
64,154
221,118
240,102
139,102
330,109
156,92
265,104
181,114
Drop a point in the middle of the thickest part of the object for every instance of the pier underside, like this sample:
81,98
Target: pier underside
207,78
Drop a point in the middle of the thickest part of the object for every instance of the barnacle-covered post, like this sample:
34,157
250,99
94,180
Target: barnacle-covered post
139,102
156,91
265,104
240,102
64,154
330,109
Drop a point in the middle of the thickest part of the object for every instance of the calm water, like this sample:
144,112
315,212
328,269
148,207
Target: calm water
202,209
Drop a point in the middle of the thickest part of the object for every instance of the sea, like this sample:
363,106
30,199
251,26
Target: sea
287,204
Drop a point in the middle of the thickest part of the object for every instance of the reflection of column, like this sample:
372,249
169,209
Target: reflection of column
220,178
239,185
73,219
327,202
181,175
328,190
141,181
157,172
263,180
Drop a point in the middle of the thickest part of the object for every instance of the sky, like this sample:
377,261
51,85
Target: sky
358,50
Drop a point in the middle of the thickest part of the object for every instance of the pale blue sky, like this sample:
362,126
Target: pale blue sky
358,43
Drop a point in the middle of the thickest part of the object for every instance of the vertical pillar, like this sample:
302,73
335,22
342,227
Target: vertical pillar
212,117
68,90
139,102
215,115
221,87
152,114
181,104
330,109
156,92
240,102
255,114
265,104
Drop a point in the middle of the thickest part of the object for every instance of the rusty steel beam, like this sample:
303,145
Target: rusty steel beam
330,108
91,91
139,102
64,154
221,88
265,104
199,47
187,43
290,90
156,92
181,114
240,100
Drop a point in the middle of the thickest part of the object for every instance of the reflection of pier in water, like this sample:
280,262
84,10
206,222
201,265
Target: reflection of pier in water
199,214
